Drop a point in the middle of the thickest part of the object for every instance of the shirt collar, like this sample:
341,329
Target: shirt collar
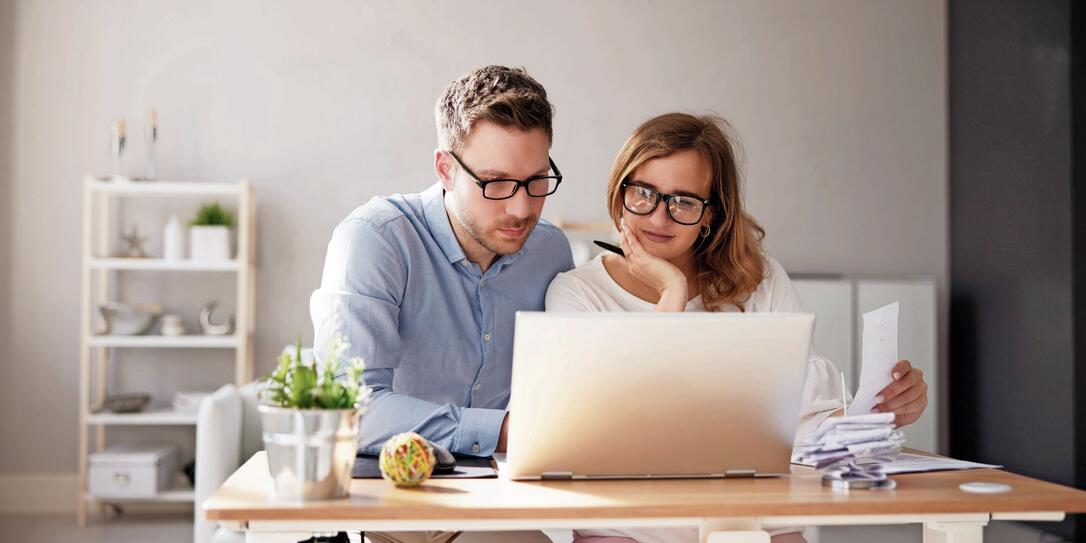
438,221
505,260
441,229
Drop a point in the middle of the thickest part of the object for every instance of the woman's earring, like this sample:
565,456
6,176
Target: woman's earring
705,229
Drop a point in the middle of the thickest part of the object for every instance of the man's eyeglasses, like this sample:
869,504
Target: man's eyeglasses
642,200
537,186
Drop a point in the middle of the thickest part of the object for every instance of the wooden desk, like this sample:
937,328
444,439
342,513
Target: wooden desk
726,510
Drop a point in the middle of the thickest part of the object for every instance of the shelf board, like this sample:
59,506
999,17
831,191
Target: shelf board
153,417
167,188
173,495
163,264
166,342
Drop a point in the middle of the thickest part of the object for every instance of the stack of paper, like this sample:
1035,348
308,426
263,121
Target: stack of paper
856,447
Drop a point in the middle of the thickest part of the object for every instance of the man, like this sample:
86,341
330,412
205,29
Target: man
425,286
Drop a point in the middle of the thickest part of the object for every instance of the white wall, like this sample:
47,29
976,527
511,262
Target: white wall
841,104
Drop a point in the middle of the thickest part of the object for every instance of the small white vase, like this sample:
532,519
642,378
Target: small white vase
172,325
209,243
173,240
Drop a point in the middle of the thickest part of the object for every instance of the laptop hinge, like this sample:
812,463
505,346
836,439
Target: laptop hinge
551,475
740,472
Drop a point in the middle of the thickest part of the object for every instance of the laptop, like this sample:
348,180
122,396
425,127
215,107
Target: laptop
655,395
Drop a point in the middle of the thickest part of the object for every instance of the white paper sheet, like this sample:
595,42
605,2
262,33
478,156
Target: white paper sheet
878,357
915,463
905,462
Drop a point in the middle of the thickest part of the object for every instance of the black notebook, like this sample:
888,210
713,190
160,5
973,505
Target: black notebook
467,467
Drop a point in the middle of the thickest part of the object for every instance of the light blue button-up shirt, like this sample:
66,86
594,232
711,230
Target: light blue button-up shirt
435,332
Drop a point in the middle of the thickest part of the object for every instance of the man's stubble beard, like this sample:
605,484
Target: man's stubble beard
472,229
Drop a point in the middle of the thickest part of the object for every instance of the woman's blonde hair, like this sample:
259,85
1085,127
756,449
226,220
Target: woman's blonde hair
729,262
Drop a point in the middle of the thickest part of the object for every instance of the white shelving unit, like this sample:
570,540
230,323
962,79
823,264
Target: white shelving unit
173,495
153,417
161,264
167,342
99,199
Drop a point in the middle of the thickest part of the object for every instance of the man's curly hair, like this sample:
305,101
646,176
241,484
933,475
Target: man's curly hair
504,96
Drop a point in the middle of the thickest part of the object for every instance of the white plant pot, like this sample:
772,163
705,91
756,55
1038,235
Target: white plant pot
210,243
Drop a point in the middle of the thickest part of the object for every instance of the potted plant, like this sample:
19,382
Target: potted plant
310,422
209,233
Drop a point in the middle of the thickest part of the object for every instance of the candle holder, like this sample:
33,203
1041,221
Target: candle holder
117,148
151,133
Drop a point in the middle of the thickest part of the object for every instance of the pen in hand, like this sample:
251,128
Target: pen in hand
609,247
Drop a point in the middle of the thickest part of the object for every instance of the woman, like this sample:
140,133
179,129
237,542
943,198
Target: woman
674,194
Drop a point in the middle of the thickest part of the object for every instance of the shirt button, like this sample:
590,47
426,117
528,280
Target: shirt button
482,283
476,448
478,387
486,337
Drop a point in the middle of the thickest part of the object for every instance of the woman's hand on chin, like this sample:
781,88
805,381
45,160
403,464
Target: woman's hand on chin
659,274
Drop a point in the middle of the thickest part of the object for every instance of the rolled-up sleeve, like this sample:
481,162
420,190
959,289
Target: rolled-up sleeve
463,430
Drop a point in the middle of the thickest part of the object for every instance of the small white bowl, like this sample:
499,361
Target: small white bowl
129,320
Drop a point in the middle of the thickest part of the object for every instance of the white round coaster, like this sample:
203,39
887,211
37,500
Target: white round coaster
985,488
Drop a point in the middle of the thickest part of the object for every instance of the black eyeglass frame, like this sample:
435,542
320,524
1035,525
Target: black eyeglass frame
663,196
520,183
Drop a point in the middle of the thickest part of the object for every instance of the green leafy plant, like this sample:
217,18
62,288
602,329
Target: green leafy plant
298,385
213,214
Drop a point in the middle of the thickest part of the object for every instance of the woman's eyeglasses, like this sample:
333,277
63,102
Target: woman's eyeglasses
642,200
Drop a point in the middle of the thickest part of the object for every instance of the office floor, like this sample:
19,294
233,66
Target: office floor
171,528
178,529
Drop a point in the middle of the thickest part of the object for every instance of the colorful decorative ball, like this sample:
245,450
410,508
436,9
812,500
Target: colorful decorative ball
407,460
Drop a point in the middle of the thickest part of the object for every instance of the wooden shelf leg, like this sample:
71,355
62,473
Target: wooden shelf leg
84,352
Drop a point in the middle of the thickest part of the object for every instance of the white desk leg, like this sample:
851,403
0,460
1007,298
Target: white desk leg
559,536
276,537
732,530
954,532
